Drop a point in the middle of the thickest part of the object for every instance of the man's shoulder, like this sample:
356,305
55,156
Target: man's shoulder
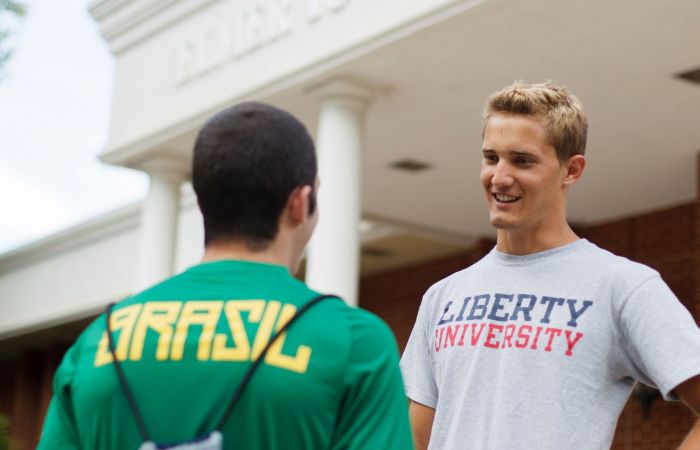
366,319
360,322
605,261
371,340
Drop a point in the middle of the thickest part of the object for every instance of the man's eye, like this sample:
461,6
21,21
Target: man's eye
522,161
490,158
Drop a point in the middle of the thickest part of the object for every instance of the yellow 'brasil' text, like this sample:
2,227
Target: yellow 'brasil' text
171,321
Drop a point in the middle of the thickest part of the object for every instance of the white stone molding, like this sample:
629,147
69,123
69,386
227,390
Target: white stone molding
159,218
334,254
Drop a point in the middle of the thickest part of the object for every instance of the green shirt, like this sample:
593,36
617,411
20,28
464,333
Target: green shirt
331,382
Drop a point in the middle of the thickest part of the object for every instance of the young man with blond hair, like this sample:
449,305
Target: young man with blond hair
538,345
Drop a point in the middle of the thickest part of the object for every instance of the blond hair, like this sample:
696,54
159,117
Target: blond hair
559,110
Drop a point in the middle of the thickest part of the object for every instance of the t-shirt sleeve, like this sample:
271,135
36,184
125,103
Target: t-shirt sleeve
374,411
59,432
416,362
660,337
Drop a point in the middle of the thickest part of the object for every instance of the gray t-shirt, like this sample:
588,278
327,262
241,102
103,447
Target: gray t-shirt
541,351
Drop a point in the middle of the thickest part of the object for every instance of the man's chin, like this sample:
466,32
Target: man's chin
502,223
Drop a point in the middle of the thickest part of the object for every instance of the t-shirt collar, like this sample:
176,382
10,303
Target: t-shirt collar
514,260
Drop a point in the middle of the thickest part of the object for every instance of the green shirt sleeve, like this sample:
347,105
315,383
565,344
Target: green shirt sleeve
374,409
59,432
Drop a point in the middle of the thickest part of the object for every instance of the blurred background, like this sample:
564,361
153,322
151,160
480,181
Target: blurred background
55,91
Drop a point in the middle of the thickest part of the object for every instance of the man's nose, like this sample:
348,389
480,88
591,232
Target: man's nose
502,175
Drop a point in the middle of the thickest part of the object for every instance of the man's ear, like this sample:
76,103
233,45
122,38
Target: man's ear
298,204
574,169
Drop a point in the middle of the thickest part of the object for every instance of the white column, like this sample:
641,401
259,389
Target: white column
159,220
332,264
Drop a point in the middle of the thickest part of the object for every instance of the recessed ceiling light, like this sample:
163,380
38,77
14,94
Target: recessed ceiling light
692,76
410,165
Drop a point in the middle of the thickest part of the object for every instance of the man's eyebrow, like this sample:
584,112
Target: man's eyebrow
522,153
511,153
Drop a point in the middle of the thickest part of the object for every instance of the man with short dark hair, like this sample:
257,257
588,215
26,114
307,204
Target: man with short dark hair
179,350
538,344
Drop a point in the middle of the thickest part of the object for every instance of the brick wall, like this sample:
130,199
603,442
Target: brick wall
25,392
665,428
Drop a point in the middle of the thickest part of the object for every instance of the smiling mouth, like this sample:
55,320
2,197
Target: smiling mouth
504,198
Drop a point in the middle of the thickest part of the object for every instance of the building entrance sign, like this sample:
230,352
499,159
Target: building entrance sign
252,26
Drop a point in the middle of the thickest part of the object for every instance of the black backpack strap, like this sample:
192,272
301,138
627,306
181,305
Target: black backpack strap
239,390
122,378
251,369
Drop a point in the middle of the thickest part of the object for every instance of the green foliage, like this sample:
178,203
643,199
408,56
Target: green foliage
18,9
14,7
4,53
4,432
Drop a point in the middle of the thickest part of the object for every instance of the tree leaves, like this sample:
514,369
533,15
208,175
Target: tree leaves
4,432
17,9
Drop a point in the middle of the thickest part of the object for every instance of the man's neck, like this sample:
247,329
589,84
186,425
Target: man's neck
528,242
240,251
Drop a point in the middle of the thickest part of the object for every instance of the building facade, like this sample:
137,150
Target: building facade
392,91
